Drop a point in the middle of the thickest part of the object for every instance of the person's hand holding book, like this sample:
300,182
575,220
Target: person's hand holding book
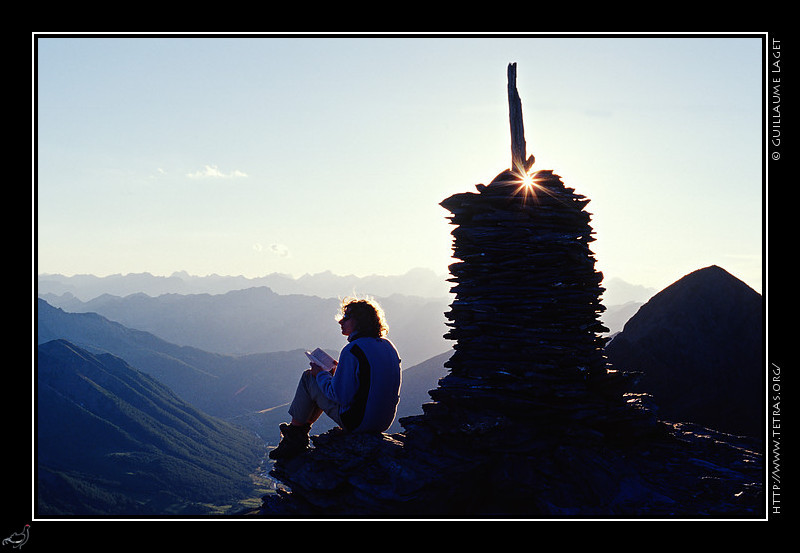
316,369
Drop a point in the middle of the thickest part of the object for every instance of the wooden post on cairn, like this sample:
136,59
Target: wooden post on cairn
519,163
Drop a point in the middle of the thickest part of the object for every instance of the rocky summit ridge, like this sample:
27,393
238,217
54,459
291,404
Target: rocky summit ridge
681,471
531,421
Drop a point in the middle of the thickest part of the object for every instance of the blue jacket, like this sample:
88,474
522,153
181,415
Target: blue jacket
366,384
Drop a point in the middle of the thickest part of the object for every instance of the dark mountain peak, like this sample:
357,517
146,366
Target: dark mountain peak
704,299
699,345
43,304
59,347
712,279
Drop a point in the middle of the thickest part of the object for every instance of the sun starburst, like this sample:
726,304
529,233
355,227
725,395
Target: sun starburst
527,183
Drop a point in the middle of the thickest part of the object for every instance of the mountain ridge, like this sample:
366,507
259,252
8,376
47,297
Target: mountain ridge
257,320
415,282
212,382
415,319
706,328
111,439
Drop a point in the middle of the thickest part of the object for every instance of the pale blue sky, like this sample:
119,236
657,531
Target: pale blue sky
299,155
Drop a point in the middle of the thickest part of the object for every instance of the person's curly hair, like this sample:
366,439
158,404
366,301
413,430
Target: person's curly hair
369,317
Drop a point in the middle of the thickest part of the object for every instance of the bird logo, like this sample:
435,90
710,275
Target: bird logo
18,539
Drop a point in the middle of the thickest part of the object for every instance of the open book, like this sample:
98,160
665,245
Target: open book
322,359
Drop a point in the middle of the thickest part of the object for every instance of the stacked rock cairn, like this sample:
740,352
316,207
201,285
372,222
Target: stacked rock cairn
528,351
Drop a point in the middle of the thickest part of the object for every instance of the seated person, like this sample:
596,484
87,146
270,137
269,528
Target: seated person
362,391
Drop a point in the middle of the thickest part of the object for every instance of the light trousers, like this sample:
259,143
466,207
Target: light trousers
309,400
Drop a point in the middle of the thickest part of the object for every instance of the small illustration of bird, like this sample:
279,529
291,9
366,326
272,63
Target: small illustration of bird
18,539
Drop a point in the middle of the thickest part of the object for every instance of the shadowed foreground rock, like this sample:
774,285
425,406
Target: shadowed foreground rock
530,422
686,472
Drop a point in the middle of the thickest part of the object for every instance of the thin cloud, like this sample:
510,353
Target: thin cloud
213,172
159,172
277,249
280,250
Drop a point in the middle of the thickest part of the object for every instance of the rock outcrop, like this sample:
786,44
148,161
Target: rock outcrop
684,472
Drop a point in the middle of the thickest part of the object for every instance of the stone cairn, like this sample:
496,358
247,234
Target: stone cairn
526,312
530,421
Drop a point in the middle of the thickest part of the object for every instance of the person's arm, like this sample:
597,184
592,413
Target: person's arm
341,386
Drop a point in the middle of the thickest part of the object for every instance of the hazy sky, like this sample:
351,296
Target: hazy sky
299,155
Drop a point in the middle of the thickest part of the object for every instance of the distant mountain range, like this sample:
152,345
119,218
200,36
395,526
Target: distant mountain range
257,320
416,282
111,439
699,344
237,315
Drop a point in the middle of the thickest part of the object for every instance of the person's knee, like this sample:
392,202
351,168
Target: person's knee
307,376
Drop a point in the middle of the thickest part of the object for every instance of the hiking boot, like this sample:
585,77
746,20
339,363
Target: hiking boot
293,443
